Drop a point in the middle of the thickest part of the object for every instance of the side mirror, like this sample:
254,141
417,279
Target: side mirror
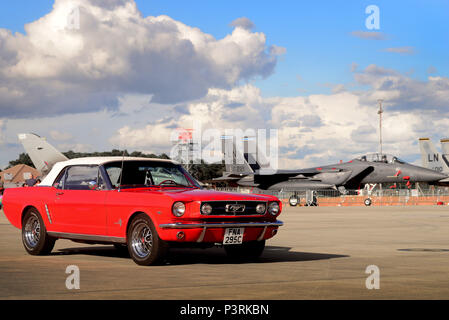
93,185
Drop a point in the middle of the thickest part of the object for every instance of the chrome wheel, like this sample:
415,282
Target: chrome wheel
32,232
142,240
144,245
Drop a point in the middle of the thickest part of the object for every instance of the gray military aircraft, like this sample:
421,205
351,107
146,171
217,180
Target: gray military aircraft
368,169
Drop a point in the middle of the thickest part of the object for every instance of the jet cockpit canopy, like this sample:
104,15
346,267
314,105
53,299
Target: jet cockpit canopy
378,157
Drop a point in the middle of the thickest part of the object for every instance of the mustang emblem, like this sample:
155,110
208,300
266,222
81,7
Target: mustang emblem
235,208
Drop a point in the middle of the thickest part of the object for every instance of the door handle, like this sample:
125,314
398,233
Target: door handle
59,193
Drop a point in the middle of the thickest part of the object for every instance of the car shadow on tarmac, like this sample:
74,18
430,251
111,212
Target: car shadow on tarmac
216,255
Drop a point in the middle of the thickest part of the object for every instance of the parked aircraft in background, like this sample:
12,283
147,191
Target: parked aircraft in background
368,169
248,168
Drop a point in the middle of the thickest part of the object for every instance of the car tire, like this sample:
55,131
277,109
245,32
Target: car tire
246,251
368,202
144,245
34,234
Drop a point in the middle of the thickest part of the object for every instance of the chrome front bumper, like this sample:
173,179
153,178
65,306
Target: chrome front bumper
207,225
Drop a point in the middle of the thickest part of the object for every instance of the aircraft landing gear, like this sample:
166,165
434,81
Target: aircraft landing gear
311,199
294,200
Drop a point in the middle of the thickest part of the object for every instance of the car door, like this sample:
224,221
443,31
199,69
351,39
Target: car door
79,206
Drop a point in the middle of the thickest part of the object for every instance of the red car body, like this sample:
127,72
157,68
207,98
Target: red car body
105,216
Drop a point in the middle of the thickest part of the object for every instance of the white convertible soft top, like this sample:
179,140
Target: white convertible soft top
50,178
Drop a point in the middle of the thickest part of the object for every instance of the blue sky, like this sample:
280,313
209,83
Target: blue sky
316,34
330,73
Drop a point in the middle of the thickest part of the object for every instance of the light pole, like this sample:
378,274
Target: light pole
380,112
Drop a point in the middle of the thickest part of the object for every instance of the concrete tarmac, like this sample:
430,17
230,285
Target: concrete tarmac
320,253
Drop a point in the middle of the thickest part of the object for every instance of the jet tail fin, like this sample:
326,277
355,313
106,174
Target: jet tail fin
430,157
43,155
244,157
256,157
235,162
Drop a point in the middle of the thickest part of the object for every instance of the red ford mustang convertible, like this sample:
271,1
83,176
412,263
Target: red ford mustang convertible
147,205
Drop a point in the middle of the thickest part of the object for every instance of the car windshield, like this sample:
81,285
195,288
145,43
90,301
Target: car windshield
148,174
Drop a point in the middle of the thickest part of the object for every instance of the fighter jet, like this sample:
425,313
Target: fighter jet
368,169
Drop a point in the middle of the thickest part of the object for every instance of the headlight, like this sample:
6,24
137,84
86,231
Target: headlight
206,209
273,208
261,208
178,209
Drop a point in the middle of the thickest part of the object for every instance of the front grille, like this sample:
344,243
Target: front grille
234,208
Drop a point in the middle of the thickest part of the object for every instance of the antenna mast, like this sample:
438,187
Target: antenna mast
380,112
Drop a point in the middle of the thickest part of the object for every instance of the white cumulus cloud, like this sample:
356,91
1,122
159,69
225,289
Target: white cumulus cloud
59,66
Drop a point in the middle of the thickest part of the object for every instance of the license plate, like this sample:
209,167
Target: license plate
233,236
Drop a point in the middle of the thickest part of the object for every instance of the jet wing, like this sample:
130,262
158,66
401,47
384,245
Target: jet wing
357,176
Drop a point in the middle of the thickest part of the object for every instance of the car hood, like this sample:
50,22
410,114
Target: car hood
206,195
